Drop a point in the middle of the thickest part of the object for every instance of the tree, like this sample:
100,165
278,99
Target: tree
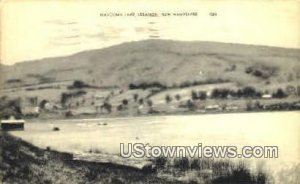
249,105
141,101
64,98
177,97
194,95
43,103
125,102
168,98
10,108
107,106
279,94
202,95
239,93
249,92
120,107
150,103
190,104
135,97
215,93
257,105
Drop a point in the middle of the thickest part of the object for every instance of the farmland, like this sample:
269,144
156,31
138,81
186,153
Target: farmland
156,77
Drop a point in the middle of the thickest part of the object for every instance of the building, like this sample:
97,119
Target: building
12,124
266,96
213,107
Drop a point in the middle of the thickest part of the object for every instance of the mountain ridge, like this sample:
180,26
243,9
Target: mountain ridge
166,61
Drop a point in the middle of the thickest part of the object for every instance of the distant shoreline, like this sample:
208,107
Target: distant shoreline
85,118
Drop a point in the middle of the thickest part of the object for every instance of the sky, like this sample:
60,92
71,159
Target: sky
37,29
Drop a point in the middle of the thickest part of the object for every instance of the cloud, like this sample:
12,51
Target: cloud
103,36
56,43
61,22
140,29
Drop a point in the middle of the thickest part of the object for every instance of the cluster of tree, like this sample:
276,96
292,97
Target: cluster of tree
196,83
13,81
250,106
169,98
261,71
201,95
279,94
146,85
66,96
283,106
189,104
10,107
246,92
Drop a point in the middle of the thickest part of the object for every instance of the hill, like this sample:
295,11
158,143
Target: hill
169,62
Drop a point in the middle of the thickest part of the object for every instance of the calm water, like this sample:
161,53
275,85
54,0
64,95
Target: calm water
280,129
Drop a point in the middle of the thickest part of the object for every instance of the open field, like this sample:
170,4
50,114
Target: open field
79,136
169,68
164,78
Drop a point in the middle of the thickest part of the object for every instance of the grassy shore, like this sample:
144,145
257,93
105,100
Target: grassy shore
21,162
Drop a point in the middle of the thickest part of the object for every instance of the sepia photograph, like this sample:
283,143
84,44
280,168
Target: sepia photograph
121,92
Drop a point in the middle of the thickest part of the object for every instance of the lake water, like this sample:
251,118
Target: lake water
280,129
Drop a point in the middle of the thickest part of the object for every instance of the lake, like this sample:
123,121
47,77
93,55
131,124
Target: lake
280,129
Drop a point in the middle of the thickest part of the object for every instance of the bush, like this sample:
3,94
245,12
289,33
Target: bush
160,162
68,114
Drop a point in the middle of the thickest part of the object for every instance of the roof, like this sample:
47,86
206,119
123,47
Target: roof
13,121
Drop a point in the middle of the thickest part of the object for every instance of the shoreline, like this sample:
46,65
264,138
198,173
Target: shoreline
191,113
22,162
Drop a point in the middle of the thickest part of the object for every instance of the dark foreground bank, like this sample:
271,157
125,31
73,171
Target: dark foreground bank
21,162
